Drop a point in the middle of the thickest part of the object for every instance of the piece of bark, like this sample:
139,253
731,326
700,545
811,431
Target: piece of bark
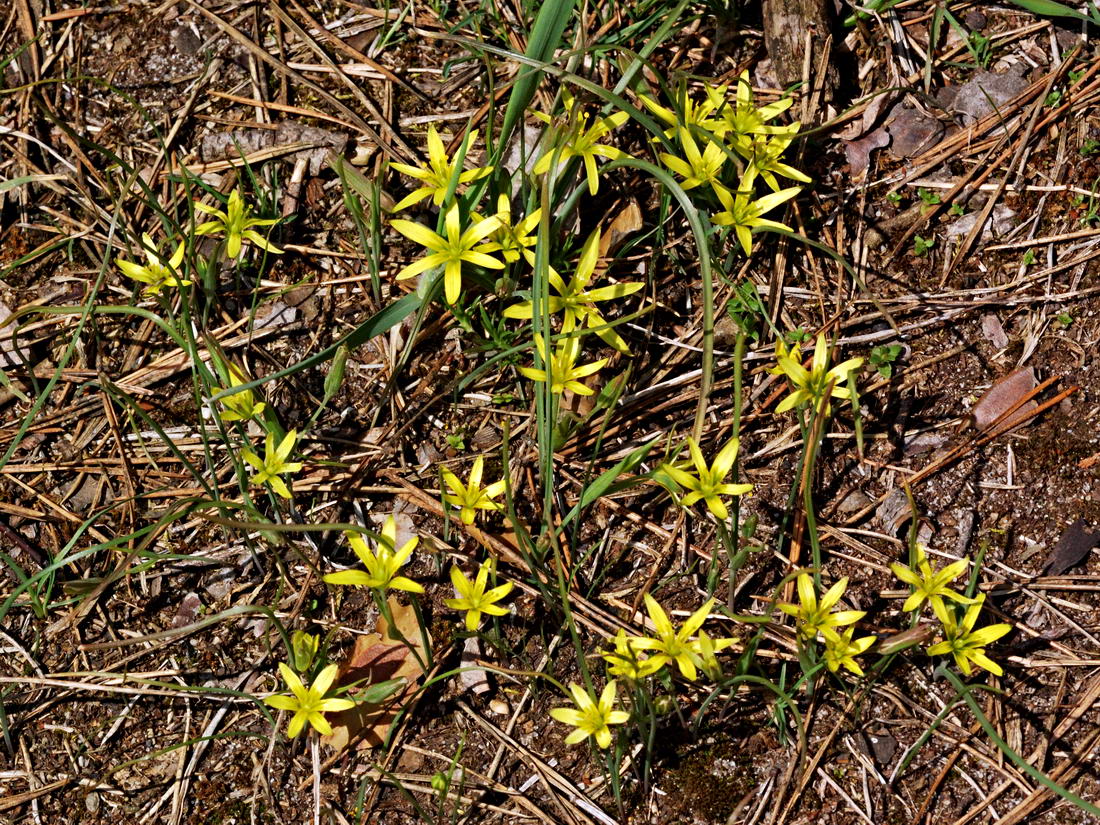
319,143
786,23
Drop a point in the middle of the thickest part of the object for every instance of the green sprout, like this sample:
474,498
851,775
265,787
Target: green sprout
882,358
922,245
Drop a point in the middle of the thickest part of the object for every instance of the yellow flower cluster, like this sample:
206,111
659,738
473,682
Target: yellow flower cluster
816,617
635,658
960,638
741,145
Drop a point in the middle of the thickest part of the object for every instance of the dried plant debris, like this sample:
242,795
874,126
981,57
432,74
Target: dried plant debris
718,512
859,151
912,131
998,224
1006,394
316,142
987,92
1072,548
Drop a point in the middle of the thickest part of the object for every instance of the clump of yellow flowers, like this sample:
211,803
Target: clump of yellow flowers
739,146
961,638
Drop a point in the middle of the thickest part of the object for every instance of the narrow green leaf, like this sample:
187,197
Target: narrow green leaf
1051,8
601,485
543,41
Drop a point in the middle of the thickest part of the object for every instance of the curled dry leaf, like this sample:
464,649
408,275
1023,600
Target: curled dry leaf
912,131
985,93
627,221
858,128
1003,396
859,151
378,658
1072,548
994,330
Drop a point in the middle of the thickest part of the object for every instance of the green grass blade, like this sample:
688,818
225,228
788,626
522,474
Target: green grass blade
1049,8
543,41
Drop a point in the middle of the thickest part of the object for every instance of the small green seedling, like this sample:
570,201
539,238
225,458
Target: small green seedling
883,358
922,245
1029,258
929,197
1064,319
957,209
1090,147
980,48
894,197
797,336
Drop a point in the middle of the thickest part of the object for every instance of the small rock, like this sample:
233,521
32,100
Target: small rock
853,502
1067,38
473,678
7,348
945,96
974,20
427,454
894,511
923,443
186,40
884,746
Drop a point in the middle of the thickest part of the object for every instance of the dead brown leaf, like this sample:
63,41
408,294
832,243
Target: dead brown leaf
628,220
377,658
1005,394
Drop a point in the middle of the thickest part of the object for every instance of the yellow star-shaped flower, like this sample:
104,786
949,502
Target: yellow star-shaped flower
309,704
436,176
577,302
236,222
591,717
671,645
965,643
452,251
929,586
157,272
813,616
561,366
382,564
583,141
274,462
471,496
474,598
811,384
709,483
